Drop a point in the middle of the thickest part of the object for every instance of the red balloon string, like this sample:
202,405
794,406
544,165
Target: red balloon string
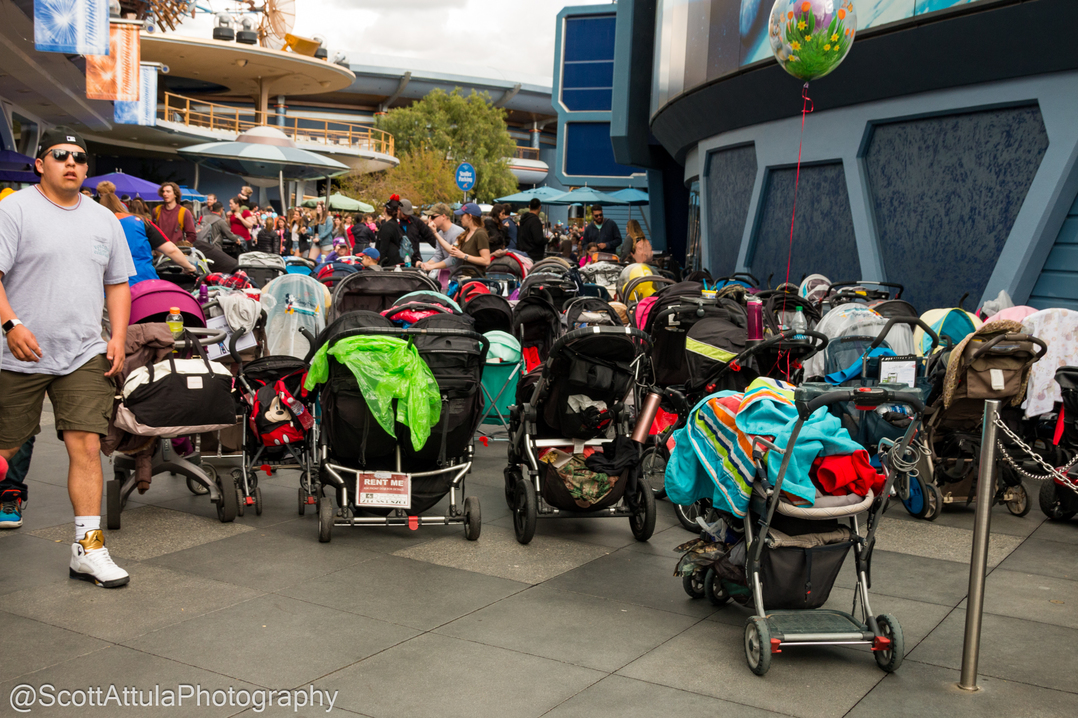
806,108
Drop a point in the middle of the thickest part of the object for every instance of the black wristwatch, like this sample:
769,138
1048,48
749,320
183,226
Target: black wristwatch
11,324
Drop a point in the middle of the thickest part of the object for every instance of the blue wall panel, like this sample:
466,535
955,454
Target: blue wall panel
945,193
589,38
588,66
823,234
588,151
1058,284
731,175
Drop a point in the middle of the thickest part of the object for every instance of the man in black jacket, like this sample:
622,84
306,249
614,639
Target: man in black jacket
362,236
530,237
605,235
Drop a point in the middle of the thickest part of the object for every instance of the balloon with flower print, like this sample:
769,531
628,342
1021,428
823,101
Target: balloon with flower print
810,38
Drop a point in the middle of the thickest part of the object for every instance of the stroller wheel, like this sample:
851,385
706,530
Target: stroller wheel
1018,503
302,500
642,521
227,505
693,583
889,660
525,508
473,518
917,503
934,499
258,501
714,590
325,519
758,645
653,467
1052,502
512,476
686,515
241,501
113,489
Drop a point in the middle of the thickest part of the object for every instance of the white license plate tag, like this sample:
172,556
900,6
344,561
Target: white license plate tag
384,489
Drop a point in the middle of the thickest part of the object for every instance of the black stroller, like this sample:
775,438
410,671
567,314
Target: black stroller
1058,496
376,479
377,291
578,401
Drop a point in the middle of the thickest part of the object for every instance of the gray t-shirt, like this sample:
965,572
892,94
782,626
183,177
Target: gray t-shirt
450,236
56,262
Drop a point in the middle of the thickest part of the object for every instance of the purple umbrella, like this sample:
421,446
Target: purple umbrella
125,184
15,161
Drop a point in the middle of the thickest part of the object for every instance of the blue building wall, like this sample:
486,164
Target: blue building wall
1057,285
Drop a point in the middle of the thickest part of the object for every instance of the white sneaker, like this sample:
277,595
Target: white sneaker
90,561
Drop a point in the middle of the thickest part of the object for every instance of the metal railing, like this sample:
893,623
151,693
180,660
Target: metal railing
526,153
226,118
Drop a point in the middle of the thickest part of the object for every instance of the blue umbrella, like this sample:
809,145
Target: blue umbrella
585,195
191,194
632,196
543,193
125,184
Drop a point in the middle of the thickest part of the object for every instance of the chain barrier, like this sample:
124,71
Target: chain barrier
1059,473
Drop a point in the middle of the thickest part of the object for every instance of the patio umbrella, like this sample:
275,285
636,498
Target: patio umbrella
339,202
191,194
635,198
126,184
543,193
15,161
264,152
584,195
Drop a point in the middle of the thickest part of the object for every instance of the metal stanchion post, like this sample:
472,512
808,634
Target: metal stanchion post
978,565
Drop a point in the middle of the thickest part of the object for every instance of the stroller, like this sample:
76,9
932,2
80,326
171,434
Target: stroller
537,324
331,273
491,312
785,556
508,270
293,303
992,363
501,375
606,274
299,265
377,291
1058,497
262,267
555,278
589,312
578,402
381,471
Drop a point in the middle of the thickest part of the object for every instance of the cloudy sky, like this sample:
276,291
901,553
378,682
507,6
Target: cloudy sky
510,39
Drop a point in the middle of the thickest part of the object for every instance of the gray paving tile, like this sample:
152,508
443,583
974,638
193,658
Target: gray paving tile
629,698
273,641
263,559
946,543
149,531
31,645
1062,531
279,505
126,668
497,553
662,543
443,676
1048,558
917,689
30,562
374,538
709,658
156,597
906,576
1011,649
584,630
637,578
612,533
412,593
1031,596
959,515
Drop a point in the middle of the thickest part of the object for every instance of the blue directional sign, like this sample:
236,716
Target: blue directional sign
465,175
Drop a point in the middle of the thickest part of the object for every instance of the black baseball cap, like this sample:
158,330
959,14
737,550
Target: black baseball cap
60,136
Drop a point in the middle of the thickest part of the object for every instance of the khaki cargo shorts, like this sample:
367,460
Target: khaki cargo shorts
81,401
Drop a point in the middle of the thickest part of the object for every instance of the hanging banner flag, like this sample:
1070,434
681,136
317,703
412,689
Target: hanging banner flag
144,111
74,27
115,76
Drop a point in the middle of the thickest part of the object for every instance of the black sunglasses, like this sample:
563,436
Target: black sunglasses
61,156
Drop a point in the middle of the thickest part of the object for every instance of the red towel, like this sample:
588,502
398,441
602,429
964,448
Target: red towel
531,358
844,474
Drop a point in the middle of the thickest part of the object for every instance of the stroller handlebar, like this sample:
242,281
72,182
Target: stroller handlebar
867,397
913,322
397,331
631,332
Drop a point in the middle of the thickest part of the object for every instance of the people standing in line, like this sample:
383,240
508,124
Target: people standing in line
446,233
240,220
175,222
362,236
390,235
63,259
605,235
143,238
530,237
416,230
267,240
473,246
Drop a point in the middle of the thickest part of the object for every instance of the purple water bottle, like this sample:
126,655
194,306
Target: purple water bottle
756,320
203,295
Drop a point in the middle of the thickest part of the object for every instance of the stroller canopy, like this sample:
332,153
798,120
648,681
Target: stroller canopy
152,299
377,291
858,320
953,324
291,302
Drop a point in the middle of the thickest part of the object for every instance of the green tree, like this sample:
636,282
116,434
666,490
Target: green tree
461,129
424,176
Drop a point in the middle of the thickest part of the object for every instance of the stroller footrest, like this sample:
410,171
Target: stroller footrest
819,625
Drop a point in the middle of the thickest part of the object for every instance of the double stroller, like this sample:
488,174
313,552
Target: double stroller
776,551
399,405
577,402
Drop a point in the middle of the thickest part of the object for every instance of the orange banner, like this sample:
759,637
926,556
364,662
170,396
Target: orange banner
115,76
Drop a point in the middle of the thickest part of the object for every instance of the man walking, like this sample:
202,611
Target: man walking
530,236
605,235
62,258
174,221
